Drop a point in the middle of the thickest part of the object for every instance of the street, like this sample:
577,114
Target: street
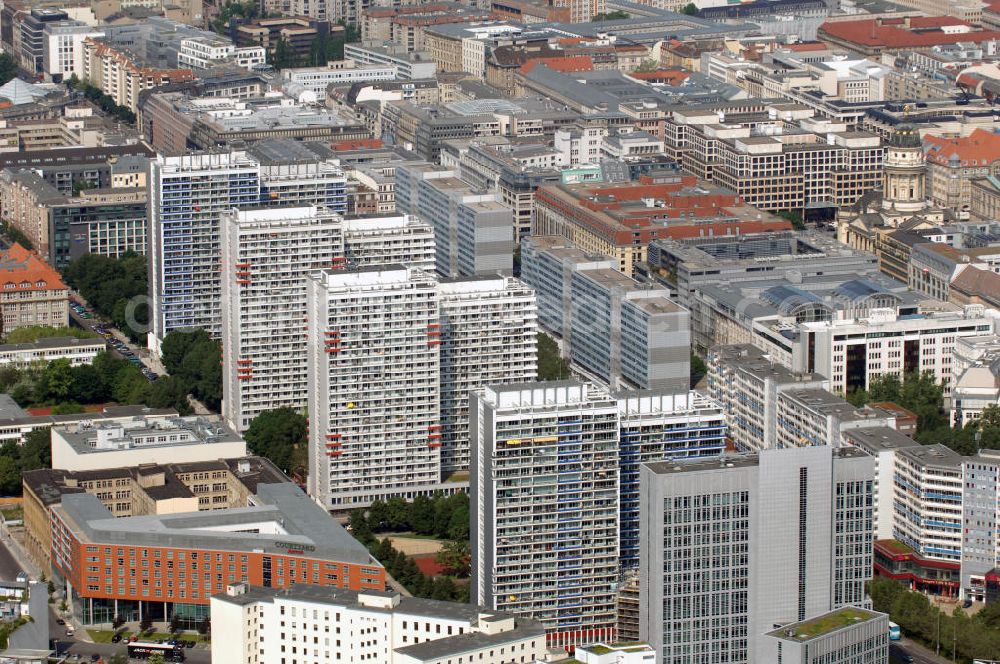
919,654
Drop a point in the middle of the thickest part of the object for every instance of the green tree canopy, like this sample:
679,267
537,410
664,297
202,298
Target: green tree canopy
274,434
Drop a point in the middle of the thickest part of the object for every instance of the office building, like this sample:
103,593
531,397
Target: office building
896,339
615,653
659,427
374,375
291,541
489,334
105,221
850,635
544,493
367,625
409,65
267,254
731,547
94,445
474,233
132,491
33,292
77,351
622,219
611,327
980,523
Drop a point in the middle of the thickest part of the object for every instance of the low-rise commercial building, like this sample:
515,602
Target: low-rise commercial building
95,445
363,625
165,566
77,351
849,635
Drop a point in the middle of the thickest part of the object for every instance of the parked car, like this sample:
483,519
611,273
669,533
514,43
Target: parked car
116,638
60,621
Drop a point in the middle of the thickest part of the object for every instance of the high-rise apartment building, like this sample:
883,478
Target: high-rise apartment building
373,355
544,492
474,232
402,240
621,332
188,195
659,427
187,198
489,336
266,256
731,547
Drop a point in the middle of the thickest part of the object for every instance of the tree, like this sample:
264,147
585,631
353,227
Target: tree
793,216
205,627
551,365
616,15
67,408
10,476
118,621
36,451
118,658
156,658
8,68
146,624
690,9
455,557
698,369
175,624
274,433
51,587
422,515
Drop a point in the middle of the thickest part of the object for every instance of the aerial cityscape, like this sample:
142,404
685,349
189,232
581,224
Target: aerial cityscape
500,331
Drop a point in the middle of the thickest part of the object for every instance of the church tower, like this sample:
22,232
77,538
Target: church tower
904,176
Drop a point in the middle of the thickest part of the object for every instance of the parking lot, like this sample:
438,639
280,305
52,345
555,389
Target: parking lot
117,342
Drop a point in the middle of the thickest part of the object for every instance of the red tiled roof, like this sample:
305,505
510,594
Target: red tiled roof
806,46
565,64
893,33
980,148
25,271
671,76
356,144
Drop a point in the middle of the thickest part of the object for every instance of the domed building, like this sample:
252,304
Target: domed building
901,205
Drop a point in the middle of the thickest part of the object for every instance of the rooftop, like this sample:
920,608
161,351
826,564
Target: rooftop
284,518
807,630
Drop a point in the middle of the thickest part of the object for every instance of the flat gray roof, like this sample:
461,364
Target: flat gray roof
307,526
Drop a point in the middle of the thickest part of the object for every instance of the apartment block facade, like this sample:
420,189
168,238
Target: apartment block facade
373,349
730,547
188,195
266,257
187,198
489,335
544,500
659,427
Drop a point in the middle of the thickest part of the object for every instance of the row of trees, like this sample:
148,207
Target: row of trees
919,393
67,389
195,360
14,234
109,285
445,517
32,333
963,636
106,102
551,365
